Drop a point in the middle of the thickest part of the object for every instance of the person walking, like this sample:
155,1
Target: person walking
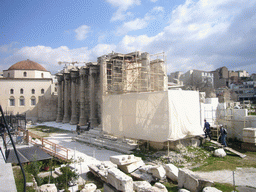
223,135
207,129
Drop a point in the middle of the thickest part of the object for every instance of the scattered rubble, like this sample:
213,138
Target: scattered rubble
116,180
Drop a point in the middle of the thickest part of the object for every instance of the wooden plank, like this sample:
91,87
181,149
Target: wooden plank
235,152
227,148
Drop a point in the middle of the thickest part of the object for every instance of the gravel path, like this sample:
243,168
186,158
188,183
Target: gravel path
243,176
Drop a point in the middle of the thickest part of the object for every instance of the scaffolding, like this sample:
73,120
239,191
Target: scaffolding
135,72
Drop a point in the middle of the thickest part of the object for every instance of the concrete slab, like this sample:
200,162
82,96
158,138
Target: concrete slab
7,181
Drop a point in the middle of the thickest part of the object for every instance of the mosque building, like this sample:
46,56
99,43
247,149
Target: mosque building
28,88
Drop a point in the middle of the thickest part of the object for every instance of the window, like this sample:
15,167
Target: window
21,91
33,101
42,91
22,101
8,75
33,91
12,101
11,91
42,75
25,74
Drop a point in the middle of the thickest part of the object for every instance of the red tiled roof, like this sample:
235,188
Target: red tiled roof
27,65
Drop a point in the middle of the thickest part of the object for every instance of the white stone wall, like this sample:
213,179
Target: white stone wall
27,86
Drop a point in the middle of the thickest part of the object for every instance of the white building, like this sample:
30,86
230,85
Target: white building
198,79
23,85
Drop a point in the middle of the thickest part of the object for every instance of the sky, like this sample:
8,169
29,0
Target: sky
193,34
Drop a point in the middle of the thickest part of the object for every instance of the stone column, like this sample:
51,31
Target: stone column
92,78
82,119
74,76
66,117
60,98
145,72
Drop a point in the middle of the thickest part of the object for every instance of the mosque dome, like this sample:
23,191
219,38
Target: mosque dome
27,65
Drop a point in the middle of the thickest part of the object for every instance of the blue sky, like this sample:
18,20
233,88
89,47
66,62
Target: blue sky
202,34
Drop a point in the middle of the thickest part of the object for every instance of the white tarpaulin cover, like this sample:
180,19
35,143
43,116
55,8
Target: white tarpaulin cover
153,116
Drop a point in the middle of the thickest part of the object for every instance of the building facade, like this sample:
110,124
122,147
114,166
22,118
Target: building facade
23,86
198,79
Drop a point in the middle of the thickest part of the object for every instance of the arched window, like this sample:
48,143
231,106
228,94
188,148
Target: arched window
22,101
11,91
42,91
33,100
25,74
33,91
12,101
21,91
42,75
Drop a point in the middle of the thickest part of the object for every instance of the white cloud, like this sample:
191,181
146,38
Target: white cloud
133,25
122,7
200,35
7,48
158,9
139,23
153,1
204,35
81,32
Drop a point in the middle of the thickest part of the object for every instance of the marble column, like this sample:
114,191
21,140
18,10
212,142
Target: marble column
82,119
74,76
60,98
145,69
92,78
66,117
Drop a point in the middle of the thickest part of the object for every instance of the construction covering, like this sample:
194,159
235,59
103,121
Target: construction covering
153,116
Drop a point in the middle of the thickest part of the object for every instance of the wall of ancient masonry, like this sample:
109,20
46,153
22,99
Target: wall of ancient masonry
78,93
81,89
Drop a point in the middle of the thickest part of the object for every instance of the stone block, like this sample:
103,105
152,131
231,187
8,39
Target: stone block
249,132
57,171
172,172
146,168
183,190
101,170
29,184
211,189
192,182
159,187
220,153
108,188
119,180
187,180
249,139
123,159
90,187
132,166
139,175
141,186
48,188
158,172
